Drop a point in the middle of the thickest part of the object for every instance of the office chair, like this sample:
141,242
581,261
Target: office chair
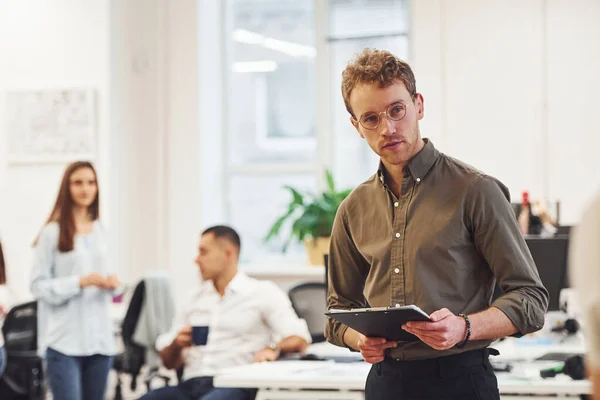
23,377
139,330
308,300
131,360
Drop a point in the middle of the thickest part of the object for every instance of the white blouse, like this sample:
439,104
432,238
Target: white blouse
72,320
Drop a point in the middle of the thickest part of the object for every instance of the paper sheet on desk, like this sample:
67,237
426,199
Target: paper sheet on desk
276,369
335,370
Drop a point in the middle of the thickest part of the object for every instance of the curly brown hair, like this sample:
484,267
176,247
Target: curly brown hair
375,66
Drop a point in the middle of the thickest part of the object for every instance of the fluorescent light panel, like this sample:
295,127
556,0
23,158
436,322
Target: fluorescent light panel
255,66
290,48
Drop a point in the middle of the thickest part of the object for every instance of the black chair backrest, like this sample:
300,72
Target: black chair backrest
23,376
20,327
309,302
133,357
133,312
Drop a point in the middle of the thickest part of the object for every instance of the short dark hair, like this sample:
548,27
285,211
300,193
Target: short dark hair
225,232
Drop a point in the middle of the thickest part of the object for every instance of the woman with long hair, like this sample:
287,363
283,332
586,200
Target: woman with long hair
73,284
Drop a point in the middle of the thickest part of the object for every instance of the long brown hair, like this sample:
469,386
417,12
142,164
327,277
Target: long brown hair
2,267
63,207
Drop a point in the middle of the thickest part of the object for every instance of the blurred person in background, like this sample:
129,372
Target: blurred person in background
249,321
3,308
74,284
584,266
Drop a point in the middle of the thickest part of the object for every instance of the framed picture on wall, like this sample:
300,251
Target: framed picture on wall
47,126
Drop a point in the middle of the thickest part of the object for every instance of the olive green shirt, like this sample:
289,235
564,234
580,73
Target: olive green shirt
444,243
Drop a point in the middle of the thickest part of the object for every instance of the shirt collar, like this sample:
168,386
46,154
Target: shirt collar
241,283
418,166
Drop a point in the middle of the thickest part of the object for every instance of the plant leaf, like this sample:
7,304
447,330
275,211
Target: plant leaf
330,182
276,227
298,198
310,215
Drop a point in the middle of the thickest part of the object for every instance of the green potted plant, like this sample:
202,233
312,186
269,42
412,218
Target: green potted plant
311,217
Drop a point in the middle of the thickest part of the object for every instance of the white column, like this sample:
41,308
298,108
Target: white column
155,151
184,152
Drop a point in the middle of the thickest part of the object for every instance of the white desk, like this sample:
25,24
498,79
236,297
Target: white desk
327,380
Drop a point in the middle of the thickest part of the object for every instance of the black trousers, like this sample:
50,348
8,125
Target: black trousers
465,376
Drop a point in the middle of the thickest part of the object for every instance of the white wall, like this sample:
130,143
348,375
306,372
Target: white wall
573,86
47,45
141,58
510,86
156,152
516,99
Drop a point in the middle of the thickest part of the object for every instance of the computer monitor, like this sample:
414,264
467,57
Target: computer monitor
551,257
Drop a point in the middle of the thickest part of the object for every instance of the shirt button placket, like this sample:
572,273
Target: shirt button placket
397,275
399,297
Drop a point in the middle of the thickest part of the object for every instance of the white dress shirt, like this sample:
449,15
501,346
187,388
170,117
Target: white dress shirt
72,320
584,269
251,315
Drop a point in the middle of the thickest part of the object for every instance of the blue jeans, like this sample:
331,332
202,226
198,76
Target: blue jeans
77,378
199,389
2,359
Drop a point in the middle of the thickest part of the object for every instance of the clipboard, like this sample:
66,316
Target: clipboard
385,322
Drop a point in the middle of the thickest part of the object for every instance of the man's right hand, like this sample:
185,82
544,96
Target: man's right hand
184,338
372,349
93,279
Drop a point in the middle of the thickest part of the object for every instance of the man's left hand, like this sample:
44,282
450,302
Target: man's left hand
443,332
267,354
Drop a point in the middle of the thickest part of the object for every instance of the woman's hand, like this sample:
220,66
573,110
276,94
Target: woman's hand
112,282
93,279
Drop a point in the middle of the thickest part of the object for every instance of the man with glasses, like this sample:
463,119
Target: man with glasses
428,230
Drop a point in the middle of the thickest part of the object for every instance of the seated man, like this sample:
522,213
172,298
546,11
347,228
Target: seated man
243,315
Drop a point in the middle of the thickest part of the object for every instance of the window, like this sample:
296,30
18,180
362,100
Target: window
275,101
354,25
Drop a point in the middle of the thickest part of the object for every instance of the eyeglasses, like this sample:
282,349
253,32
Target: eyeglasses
394,112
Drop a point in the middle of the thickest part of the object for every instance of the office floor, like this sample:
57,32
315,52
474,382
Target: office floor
125,383
141,387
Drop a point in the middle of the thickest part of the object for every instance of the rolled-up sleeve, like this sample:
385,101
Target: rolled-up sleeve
347,271
280,315
496,235
44,286
179,321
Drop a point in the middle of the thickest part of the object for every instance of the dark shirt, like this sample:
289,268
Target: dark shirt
443,243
